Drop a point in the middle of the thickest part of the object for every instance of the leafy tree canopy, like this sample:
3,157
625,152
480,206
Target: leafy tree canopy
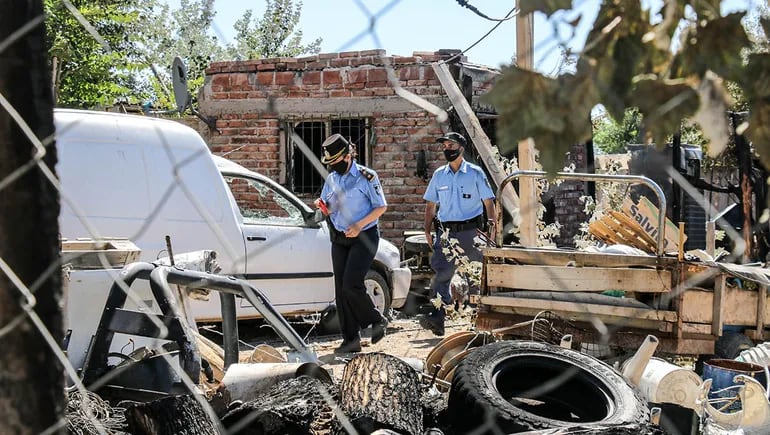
275,35
103,51
90,54
673,70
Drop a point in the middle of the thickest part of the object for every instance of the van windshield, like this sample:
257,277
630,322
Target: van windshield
260,204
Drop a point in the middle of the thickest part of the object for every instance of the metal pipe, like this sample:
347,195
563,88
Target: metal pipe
229,328
96,359
189,356
636,179
229,284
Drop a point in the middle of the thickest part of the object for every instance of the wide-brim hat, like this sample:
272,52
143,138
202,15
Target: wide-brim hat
454,137
334,147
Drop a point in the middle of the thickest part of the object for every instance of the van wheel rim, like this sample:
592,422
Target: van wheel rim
375,292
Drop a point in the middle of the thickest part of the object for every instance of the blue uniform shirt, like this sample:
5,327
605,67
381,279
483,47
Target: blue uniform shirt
352,196
459,194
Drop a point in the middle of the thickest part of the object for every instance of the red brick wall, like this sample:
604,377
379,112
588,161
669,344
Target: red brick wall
251,99
253,138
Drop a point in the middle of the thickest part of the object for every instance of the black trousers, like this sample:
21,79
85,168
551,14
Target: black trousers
351,259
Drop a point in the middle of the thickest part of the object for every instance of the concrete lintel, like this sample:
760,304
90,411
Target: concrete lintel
317,106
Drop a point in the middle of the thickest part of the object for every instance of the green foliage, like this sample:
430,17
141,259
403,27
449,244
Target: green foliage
611,137
275,35
185,32
630,62
128,54
87,70
547,112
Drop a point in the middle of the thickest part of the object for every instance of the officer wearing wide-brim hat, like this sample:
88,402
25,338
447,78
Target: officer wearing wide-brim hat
354,200
461,192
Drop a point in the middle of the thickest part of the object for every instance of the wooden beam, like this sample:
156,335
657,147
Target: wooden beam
509,199
567,309
576,279
529,199
761,308
551,257
718,305
524,41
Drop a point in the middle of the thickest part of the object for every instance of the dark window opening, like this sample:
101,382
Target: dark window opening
304,176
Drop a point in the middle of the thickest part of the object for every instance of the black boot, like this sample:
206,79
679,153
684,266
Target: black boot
352,346
434,322
378,330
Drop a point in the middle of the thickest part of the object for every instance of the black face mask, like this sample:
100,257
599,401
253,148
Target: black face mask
340,167
452,155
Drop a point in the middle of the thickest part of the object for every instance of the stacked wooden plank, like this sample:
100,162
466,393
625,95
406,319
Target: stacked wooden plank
618,228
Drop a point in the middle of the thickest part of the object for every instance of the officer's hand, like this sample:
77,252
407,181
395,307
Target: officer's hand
353,231
321,205
429,239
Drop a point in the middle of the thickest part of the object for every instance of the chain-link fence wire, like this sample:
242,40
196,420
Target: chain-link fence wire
84,406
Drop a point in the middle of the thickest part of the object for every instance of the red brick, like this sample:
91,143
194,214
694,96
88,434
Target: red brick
377,52
311,77
363,93
265,78
364,61
377,75
317,65
345,54
328,55
409,73
220,80
398,60
357,76
266,67
284,78
338,63
332,78
340,93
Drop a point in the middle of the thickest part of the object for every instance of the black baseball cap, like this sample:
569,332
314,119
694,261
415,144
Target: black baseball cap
454,137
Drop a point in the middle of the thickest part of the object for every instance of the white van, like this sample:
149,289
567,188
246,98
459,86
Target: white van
145,178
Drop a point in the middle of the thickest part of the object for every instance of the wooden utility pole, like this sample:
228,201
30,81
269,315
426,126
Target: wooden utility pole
32,381
528,200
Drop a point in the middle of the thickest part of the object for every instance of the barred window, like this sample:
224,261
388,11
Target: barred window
303,177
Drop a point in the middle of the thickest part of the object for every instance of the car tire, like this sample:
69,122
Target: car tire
586,391
731,344
379,291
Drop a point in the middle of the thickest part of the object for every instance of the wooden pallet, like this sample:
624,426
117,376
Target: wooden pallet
618,228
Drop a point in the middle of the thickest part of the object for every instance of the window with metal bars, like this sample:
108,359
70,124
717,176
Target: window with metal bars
303,176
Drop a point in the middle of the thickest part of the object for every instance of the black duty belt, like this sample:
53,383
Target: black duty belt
456,226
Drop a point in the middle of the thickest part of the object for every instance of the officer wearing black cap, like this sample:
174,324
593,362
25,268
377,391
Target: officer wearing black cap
462,193
353,199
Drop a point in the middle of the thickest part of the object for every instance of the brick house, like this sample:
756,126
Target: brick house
268,111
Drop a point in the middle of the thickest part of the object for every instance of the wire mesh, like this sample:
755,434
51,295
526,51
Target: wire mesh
88,413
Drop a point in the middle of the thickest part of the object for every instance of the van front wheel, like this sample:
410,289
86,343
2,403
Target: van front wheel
377,288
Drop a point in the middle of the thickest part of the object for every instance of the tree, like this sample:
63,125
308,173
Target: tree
31,379
92,56
611,137
630,62
183,32
275,35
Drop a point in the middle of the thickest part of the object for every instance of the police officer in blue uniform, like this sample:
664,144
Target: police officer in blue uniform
461,193
353,198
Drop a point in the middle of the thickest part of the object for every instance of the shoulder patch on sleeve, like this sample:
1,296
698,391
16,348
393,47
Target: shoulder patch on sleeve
367,173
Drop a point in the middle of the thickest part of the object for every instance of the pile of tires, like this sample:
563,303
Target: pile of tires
516,386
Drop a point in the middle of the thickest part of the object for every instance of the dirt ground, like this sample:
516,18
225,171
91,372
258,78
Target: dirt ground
405,339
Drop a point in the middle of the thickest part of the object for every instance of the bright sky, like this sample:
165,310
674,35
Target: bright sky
405,26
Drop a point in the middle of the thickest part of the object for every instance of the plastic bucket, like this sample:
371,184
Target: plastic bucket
721,372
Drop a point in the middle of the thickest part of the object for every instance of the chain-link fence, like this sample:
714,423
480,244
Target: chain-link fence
141,334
